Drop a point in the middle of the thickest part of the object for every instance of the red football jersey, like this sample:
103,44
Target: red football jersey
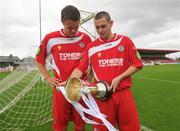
111,58
66,51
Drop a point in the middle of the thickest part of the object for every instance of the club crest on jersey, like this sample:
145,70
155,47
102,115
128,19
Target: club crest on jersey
121,48
81,44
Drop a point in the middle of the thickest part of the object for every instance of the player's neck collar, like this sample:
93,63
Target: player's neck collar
64,34
112,39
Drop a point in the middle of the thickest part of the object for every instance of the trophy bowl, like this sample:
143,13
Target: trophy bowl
74,89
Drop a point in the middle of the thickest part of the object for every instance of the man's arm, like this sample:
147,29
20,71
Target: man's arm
134,61
130,71
51,80
76,73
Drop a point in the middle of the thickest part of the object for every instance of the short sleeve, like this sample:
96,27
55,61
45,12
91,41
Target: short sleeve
41,53
134,56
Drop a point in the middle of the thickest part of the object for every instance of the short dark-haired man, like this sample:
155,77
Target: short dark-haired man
66,47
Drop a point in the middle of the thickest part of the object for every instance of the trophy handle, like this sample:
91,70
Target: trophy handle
92,89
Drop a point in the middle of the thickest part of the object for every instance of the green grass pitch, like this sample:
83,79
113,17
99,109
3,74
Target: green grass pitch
157,94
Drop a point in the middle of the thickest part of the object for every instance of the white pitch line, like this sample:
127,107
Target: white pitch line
144,128
153,79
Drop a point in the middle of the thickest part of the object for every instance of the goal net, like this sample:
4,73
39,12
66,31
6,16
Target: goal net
25,99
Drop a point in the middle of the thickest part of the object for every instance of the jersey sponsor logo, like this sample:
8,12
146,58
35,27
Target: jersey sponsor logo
110,62
70,56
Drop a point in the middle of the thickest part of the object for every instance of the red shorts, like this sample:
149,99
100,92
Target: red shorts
120,110
63,112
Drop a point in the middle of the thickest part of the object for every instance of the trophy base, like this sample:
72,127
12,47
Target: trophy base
103,93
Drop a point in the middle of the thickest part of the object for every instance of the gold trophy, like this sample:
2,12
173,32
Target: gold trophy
74,88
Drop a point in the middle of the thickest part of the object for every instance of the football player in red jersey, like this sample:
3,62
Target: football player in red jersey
113,58
65,47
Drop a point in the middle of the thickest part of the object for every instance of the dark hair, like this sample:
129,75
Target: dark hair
102,14
70,13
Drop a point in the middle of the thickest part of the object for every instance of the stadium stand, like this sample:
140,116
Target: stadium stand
8,63
156,56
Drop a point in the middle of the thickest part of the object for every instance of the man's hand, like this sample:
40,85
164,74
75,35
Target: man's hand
53,82
115,83
62,83
130,71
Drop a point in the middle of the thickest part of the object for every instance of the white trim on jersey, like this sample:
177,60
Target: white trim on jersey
55,41
115,37
102,47
54,66
104,41
63,34
95,74
100,39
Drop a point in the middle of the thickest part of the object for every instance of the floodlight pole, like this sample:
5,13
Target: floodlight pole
40,30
